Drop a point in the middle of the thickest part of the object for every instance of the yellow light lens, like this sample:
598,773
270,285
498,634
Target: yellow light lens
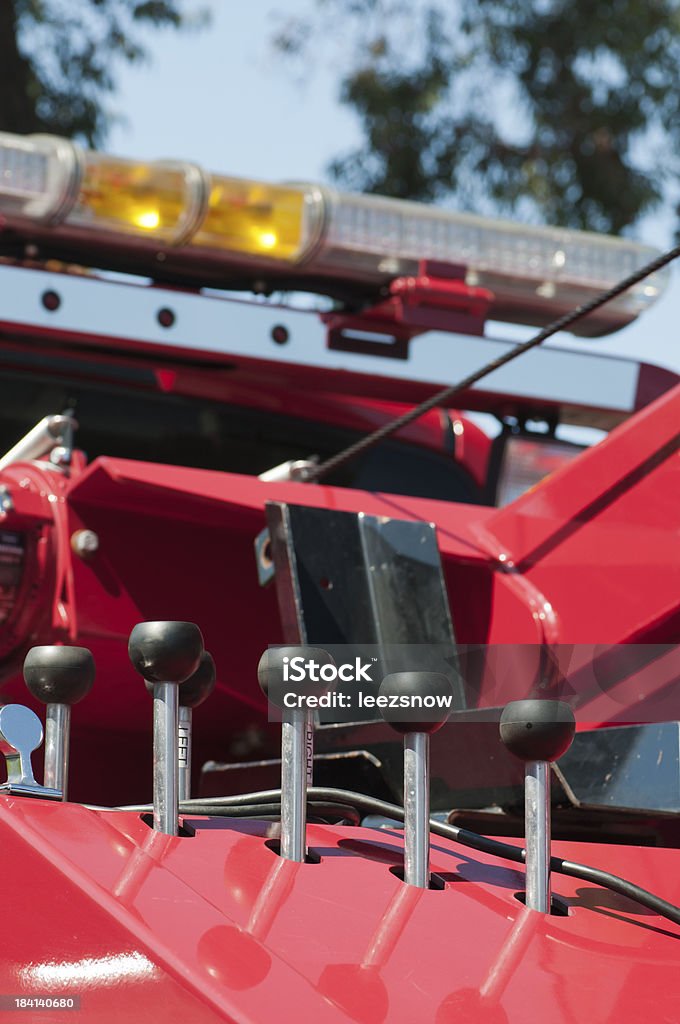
255,219
135,198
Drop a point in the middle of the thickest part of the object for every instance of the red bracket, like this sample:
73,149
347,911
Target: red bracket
437,299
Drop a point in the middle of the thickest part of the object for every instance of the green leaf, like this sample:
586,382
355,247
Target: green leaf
556,110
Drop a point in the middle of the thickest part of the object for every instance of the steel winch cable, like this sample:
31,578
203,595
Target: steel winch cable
313,473
247,802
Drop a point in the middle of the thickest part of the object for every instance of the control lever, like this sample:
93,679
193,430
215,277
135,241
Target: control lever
21,733
192,692
416,724
297,737
538,732
58,677
165,654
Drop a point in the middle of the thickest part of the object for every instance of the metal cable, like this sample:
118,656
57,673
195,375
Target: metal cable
314,473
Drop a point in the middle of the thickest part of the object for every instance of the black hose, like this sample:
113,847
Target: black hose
342,799
326,811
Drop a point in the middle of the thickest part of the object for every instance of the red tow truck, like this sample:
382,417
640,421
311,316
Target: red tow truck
182,357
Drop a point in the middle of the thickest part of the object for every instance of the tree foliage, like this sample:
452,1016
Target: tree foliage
58,59
549,109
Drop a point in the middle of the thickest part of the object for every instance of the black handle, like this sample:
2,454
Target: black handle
59,675
165,652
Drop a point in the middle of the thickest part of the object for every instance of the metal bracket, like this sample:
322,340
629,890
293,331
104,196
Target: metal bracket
352,580
436,299
21,733
53,435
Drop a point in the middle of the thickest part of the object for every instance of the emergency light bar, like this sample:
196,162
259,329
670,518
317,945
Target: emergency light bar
305,235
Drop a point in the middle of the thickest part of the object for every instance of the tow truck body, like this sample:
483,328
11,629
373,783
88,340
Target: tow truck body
184,400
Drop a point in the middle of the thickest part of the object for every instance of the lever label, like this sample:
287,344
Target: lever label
183,746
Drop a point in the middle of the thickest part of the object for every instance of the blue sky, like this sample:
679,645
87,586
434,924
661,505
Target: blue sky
223,98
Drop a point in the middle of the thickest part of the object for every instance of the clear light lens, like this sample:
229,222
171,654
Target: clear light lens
36,175
270,221
159,199
534,272
527,461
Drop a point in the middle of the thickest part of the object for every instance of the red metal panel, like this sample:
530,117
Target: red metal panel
599,538
217,927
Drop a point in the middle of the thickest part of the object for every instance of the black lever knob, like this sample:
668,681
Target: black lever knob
59,675
423,701
279,668
165,652
198,687
537,730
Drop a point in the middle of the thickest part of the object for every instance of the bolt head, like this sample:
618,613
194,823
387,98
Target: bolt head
85,543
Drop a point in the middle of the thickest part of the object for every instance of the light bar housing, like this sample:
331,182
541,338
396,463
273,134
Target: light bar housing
175,221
